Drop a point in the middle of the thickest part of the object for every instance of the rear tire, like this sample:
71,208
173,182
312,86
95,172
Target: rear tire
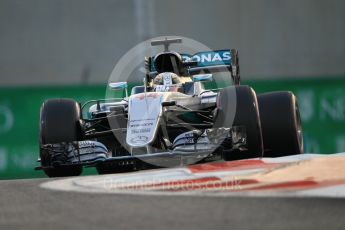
59,122
281,124
243,99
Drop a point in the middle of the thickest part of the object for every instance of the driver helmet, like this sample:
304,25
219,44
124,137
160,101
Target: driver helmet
166,82
166,79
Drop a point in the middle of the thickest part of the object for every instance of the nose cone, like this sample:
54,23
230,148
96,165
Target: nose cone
144,112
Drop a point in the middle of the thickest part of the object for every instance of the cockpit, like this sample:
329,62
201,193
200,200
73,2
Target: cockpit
167,82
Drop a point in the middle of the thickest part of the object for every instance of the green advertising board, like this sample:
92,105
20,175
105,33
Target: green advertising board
322,105
19,115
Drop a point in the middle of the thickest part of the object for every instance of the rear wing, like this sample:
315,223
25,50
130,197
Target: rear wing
205,62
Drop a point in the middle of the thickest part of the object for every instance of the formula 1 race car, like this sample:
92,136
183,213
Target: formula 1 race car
169,121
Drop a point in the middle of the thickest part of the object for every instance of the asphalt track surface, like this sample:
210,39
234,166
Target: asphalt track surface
25,205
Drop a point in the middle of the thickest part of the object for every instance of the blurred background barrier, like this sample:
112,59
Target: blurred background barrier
80,41
322,104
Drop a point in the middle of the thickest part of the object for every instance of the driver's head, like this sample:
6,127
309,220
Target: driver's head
166,79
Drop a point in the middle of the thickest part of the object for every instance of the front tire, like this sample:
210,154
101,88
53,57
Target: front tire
59,122
238,106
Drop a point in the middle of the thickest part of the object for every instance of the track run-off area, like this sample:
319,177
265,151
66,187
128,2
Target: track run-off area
302,191
299,175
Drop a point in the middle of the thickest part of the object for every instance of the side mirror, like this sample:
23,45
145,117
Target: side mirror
202,77
118,86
